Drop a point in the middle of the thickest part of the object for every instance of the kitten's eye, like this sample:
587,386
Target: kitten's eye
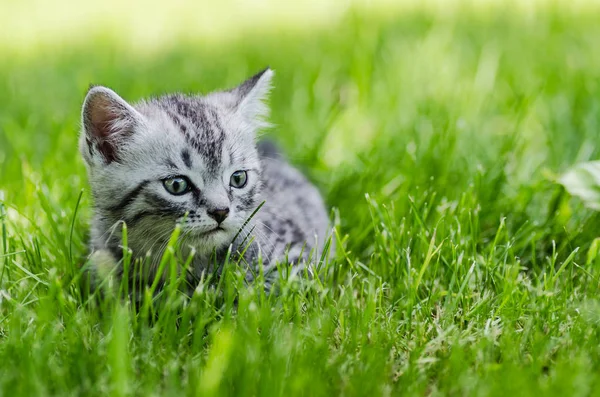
239,179
177,185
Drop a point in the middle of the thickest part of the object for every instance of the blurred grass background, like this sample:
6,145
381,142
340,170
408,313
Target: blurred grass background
465,271
150,25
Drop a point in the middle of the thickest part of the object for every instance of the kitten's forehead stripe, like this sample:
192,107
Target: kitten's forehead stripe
207,136
213,138
176,120
171,164
185,156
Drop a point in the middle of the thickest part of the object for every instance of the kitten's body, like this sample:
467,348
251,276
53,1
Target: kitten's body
135,154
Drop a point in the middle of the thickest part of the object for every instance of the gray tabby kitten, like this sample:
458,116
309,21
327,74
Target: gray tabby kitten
194,160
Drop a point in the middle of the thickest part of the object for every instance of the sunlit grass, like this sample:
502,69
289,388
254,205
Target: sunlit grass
461,267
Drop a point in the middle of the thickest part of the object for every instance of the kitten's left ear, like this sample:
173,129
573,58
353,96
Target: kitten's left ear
251,96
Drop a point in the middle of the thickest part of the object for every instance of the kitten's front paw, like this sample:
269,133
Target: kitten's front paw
103,267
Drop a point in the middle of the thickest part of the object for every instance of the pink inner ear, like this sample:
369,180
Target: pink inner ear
107,119
102,117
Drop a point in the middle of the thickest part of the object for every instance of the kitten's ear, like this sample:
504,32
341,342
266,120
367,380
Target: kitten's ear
251,96
107,121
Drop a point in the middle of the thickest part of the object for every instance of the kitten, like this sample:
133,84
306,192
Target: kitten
194,161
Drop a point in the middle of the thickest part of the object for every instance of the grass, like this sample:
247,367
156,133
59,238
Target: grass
462,268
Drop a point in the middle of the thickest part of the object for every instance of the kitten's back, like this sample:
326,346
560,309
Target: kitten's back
293,224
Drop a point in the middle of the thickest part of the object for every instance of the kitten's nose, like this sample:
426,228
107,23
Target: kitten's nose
218,214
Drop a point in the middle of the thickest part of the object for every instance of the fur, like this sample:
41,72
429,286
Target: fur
130,150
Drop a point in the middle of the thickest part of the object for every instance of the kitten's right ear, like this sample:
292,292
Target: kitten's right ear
107,121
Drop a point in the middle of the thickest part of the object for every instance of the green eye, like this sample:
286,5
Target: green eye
177,185
238,179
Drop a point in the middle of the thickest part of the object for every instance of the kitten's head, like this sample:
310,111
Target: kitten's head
176,158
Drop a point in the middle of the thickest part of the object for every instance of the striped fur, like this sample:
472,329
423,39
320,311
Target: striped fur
130,149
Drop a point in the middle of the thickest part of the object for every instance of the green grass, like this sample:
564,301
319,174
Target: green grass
461,267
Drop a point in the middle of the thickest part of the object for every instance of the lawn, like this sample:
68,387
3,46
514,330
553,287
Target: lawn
436,137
